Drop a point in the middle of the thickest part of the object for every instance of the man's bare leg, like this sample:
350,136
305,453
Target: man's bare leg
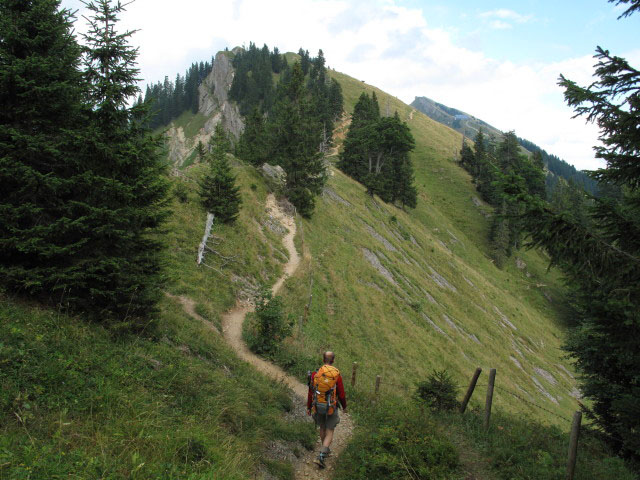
323,432
327,438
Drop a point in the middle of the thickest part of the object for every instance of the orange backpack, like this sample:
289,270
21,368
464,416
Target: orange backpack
324,390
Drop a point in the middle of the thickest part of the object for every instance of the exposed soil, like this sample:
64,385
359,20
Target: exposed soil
232,331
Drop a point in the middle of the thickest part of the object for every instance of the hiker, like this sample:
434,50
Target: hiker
325,390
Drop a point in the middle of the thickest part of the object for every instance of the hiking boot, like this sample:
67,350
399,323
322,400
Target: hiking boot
322,456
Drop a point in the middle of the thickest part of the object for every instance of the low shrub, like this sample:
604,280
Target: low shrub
439,391
268,327
181,192
397,442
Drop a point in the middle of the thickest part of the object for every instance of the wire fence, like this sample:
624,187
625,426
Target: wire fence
383,382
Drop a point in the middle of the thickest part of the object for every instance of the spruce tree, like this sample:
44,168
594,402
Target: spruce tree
42,123
218,192
252,145
294,134
603,263
376,153
467,159
200,151
125,199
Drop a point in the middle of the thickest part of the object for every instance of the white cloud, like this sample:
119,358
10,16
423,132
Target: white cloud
387,45
506,14
500,25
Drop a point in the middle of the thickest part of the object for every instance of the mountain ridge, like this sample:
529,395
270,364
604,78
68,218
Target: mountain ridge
468,125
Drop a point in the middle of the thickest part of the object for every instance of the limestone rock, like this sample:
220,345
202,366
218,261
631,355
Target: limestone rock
275,176
214,97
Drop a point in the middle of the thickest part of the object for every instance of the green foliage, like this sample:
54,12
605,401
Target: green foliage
181,192
294,135
271,326
167,100
290,126
438,391
251,146
376,153
524,449
219,142
397,441
218,192
85,190
252,85
200,151
601,258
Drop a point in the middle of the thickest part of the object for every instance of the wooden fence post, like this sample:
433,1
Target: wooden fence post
487,405
472,386
377,385
573,444
353,374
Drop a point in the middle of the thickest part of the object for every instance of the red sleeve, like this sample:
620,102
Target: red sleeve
310,393
341,395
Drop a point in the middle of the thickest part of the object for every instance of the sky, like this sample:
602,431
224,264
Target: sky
498,61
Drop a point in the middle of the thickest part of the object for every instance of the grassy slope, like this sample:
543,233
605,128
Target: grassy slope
76,401
361,315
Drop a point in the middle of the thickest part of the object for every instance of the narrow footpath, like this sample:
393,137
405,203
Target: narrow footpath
232,330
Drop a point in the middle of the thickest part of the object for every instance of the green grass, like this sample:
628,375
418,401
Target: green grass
385,327
190,122
397,435
175,403
521,448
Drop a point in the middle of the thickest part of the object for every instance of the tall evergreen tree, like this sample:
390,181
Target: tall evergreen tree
467,158
294,134
218,192
126,198
252,145
603,263
41,129
376,153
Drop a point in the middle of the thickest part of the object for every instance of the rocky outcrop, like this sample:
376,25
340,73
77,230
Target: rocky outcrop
214,105
275,176
176,145
214,100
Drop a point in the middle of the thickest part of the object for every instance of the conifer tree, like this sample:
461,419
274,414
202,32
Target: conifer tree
500,237
220,139
42,122
603,262
126,198
200,151
335,99
467,159
376,153
252,145
294,134
218,192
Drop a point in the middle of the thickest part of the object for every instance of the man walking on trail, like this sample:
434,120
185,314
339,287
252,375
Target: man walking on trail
325,390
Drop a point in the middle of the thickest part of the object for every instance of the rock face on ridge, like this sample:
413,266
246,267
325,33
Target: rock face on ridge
214,105
214,97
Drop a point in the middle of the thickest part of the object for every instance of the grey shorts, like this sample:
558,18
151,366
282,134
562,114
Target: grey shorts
327,421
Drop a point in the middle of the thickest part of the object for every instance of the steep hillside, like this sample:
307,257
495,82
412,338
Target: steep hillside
406,292
469,126
76,400
403,293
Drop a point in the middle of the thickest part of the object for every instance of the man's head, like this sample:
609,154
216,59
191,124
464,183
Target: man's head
328,357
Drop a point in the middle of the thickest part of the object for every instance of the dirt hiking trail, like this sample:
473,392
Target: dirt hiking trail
232,321
232,330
